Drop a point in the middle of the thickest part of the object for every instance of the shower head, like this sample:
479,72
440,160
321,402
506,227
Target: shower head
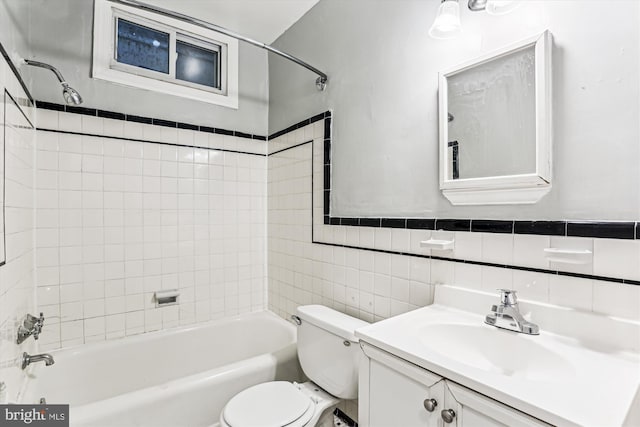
71,96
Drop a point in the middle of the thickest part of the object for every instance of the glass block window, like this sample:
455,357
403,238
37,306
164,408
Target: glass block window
198,64
142,47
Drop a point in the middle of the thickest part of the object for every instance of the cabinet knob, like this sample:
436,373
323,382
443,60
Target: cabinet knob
448,415
430,404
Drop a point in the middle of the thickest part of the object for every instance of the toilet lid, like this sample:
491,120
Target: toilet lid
275,403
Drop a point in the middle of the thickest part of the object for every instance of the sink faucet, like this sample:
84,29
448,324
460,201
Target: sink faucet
507,315
28,359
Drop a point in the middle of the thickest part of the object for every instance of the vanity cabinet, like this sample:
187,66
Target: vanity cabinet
412,398
394,392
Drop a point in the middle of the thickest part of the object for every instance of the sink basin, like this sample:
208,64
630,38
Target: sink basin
496,350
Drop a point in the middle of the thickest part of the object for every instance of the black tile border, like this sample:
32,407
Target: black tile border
491,226
421,224
165,123
148,141
301,124
79,110
52,106
111,115
146,120
453,224
623,230
288,148
489,264
188,126
604,230
594,229
543,228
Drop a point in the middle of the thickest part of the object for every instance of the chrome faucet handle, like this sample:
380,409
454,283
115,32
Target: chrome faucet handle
30,321
31,325
508,297
37,328
507,315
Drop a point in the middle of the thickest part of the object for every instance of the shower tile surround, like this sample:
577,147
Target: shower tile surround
128,205
17,274
373,268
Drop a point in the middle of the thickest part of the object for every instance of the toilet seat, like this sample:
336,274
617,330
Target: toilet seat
276,403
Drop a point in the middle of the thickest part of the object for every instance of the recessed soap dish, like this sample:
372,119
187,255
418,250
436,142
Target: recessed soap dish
437,244
165,298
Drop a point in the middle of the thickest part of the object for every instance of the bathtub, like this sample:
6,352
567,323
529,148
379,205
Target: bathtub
178,377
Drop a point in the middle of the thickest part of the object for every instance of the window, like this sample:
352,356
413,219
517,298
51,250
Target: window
141,49
199,65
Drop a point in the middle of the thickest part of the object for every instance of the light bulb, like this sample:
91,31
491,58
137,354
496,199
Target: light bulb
447,23
501,7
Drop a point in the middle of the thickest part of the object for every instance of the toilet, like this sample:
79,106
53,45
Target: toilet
329,355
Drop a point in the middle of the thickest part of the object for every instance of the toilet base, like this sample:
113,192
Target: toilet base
325,403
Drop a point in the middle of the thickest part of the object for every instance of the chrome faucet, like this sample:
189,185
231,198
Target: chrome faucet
507,315
31,325
28,359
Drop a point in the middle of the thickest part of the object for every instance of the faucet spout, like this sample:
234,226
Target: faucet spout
507,315
29,359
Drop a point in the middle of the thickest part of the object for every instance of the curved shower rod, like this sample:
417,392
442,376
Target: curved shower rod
321,81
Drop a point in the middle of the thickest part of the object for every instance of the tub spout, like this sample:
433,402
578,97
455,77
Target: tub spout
28,359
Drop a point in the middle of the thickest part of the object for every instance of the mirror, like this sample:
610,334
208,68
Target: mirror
495,126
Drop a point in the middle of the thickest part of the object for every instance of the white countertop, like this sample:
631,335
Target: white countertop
565,381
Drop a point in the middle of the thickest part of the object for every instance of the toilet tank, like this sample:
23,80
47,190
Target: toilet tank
328,350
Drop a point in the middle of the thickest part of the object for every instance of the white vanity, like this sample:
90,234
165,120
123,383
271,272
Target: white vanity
441,365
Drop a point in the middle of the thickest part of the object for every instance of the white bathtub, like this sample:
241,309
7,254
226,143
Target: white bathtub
178,377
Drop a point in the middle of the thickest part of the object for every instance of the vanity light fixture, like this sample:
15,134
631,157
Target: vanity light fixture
447,22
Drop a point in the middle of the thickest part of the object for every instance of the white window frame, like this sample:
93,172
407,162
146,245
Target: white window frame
105,66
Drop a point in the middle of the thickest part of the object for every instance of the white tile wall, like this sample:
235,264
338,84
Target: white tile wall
374,285
17,296
366,284
119,219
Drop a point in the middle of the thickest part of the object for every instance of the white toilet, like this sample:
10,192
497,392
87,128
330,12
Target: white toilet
329,355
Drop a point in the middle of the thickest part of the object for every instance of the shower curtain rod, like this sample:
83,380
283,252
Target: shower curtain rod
321,81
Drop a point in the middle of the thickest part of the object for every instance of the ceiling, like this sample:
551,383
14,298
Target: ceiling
262,20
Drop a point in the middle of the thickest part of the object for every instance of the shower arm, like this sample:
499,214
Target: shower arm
48,67
321,81
71,96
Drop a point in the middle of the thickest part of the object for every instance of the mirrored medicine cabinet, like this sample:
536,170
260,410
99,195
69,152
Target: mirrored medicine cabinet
495,126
